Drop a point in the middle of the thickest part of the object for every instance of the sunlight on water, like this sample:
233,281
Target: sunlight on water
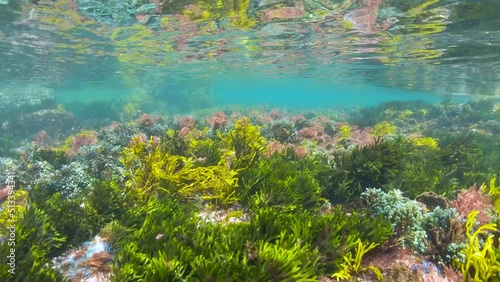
449,47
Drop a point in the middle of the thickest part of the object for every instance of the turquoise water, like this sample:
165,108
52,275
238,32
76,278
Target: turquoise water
295,93
303,93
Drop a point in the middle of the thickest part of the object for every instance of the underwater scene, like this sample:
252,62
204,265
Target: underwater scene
250,140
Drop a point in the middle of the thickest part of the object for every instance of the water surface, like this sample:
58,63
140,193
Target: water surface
295,52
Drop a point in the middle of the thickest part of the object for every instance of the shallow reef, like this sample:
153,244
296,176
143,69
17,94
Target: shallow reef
399,192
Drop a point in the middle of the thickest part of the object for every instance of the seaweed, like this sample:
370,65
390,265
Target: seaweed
56,157
74,220
36,238
481,260
444,229
154,215
368,166
422,170
283,181
374,115
245,141
7,143
353,264
108,201
162,240
174,144
207,152
332,234
282,263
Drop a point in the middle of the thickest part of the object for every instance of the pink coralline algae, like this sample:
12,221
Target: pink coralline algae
138,138
81,140
143,139
362,137
301,151
148,120
299,119
159,6
312,132
187,124
273,148
156,141
471,199
218,120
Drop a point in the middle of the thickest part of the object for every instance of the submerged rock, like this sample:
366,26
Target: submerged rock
18,101
55,123
87,263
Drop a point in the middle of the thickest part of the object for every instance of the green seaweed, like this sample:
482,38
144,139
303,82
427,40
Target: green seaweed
286,229
481,260
368,166
283,180
174,144
72,218
108,201
245,141
36,237
56,157
207,152
151,171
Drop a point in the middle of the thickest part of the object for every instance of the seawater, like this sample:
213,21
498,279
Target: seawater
249,140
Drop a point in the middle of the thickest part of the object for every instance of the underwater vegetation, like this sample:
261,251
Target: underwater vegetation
258,196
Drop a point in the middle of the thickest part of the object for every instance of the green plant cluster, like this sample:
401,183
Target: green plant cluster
368,166
442,161
8,210
56,157
353,264
150,170
481,255
50,224
412,165
245,142
174,144
374,115
163,241
384,128
6,144
284,180
36,239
